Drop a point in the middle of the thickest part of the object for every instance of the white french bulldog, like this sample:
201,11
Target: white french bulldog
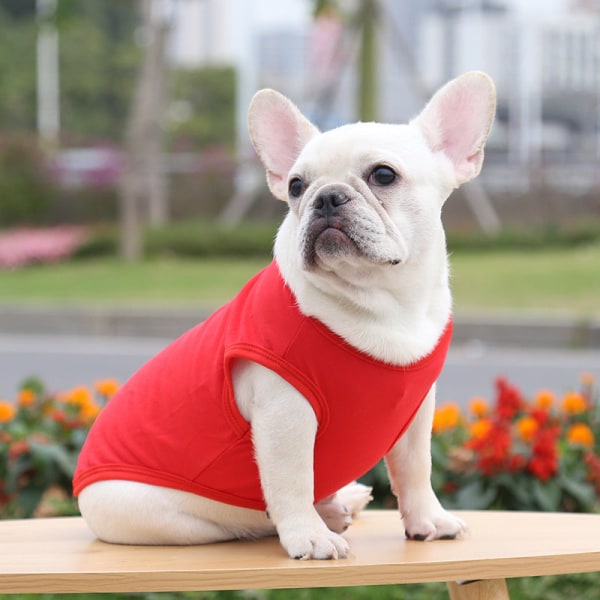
362,257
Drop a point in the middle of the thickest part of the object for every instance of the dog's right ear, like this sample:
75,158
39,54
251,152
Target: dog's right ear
278,131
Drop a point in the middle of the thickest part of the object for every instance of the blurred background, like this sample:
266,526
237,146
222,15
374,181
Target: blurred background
123,141
137,110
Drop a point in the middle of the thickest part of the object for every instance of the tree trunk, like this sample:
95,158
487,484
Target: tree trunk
143,186
368,62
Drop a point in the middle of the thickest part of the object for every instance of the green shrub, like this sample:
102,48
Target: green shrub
197,238
41,435
535,238
209,239
26,188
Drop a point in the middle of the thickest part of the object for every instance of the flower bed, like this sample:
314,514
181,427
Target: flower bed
24,246
520,454
41,435
515,454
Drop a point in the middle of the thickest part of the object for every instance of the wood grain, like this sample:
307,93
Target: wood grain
490,589
61,555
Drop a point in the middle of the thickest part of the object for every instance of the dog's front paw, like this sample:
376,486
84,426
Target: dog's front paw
339,509
336,515
436,525
354,496
304,541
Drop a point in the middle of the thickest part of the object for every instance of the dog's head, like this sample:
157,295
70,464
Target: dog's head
370,194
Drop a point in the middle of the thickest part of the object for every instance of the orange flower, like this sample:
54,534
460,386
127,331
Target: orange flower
446,417
106,387
544,399
588,379
26,397
574,403
527,427
88,412
7,411
480,428
479,406
79,396
580,435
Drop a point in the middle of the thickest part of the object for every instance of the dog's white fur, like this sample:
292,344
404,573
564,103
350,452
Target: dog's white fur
378,278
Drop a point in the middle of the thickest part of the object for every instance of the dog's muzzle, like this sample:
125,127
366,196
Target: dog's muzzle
327,233
337,228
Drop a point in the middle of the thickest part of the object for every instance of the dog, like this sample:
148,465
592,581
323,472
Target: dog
258,421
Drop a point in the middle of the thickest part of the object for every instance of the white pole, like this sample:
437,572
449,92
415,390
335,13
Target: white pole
48,89
247,178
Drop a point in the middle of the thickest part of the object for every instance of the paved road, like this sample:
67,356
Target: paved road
63,362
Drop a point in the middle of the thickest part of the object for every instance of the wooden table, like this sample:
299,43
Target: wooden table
61,555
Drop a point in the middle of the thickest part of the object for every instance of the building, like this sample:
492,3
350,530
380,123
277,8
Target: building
544,56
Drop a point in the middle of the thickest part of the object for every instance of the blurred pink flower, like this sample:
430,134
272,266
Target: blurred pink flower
23,246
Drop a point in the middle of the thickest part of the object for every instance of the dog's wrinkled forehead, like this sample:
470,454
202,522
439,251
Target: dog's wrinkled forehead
351,149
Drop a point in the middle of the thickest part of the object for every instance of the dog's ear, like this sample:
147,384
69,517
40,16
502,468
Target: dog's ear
457,121
278,131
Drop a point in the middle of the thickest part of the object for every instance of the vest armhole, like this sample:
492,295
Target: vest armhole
281,367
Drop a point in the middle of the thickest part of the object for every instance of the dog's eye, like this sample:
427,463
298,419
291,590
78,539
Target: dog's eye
382,175
296,187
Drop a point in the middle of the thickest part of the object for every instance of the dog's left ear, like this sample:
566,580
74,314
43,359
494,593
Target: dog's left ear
278,131
457,121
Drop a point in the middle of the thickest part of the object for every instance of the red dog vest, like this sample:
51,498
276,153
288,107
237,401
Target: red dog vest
175,422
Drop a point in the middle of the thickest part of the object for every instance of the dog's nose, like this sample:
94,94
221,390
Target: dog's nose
326,202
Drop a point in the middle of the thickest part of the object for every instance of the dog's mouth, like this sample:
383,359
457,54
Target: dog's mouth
334,241
327,238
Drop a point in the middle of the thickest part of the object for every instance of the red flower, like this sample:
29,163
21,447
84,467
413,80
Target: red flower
450,487
541,415
544,461
508,400
17,448
515,463
493,449
592,462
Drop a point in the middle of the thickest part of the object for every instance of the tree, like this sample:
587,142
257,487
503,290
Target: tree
98,58
143,183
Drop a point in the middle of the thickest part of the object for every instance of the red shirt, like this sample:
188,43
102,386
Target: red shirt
175,423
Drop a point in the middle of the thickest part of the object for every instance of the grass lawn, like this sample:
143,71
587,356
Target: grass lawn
559,280
110,281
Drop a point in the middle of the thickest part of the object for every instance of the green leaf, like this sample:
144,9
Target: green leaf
34,384
54,453
581,492
22,465
547,495
29,498
474,496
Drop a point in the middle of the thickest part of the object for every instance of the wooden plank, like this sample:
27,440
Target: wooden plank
61,555
490,589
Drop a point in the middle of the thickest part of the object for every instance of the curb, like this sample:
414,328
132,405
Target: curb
504,330
528,331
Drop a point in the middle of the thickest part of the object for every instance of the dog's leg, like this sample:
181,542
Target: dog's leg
340,508
128,512
409,468
284,427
